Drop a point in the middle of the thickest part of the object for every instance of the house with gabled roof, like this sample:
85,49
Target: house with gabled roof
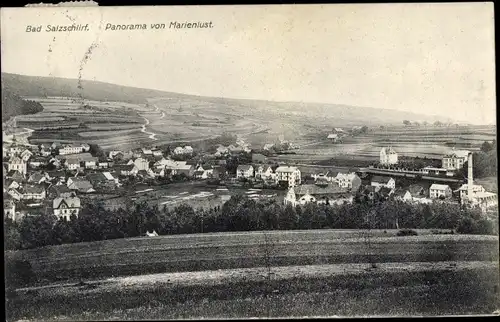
388,156
326,193
80,184
440,191
61,191
379,181
65,207
38,177
264,172
33,192
16,175
26,155
244,171
17,164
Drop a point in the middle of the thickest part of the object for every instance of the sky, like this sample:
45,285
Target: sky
435,59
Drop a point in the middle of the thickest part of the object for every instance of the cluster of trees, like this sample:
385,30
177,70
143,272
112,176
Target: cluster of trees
411,163
238,214
484,162
13,105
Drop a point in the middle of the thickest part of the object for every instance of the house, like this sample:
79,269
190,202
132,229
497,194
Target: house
64,207
100,180
15,175
56,162
147,151
348,180
17,164
85,147
38,177
80,184
11,184
141,164
264,172
157,153
221,151
146,173
378,181
162,163
287,175
34,192
71,149
60,191
15,149
455,160
329,176
75,161
127,169
115,154
15,193
37,162
439,191
72,164
102,164
244,171
183,150
204,172
317,193
388,156
9,209
26,155
55,145
259,158
403,195
463,190
57,176
334,137
268,146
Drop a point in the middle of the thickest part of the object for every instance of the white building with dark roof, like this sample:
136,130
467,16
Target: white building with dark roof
440,191
388,156
65,207
288,174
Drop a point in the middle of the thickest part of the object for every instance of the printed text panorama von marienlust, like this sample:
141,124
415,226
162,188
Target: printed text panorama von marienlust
118,27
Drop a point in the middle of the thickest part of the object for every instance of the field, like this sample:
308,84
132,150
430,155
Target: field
196,194
279,273
185,119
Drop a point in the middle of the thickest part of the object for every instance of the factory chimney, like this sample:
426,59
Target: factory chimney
470,179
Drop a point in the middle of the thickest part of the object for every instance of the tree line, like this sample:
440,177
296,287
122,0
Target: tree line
239,213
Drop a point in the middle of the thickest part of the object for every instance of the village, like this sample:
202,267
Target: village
56,178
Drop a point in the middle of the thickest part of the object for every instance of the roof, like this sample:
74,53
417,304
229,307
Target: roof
244,167
400,192
37,176
333,136
380,179
436,186
60,189
34,188
207,167
416,190
83,184
286,169
388,150
57,173
73,158
458,154
97,176
124,167
108,176
15,159
71,202
314,189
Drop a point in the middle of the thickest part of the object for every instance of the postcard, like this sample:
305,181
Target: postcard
237,161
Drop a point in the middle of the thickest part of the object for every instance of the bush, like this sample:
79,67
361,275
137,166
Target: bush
407,232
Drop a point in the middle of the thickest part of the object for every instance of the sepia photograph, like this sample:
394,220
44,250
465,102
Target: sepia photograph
249,161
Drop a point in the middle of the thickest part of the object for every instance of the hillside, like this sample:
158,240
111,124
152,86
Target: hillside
13,105
336,114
